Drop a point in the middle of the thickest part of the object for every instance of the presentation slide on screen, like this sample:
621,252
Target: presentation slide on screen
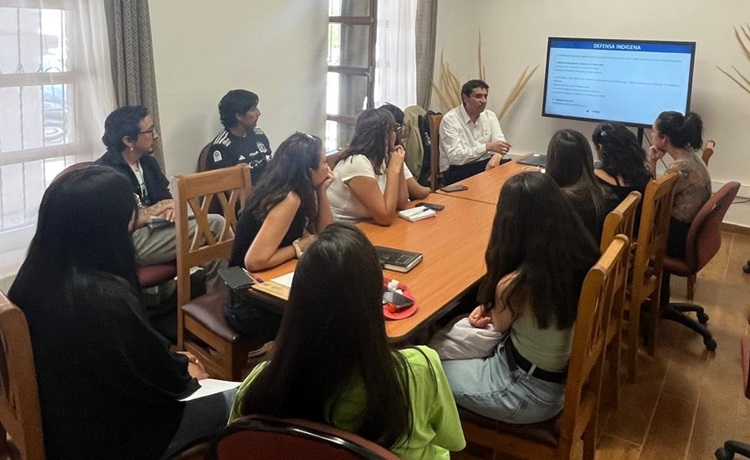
624,81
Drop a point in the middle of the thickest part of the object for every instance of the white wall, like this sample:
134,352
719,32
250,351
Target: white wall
514,35
276,49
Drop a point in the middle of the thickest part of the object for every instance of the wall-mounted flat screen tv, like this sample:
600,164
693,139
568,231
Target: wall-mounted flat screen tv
630,81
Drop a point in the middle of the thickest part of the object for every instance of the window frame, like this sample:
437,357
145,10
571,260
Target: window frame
367,72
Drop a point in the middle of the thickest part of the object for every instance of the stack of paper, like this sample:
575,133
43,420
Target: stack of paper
416,213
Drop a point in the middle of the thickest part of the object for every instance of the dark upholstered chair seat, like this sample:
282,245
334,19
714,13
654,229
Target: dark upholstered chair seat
677,267
154,275
547,432
208,310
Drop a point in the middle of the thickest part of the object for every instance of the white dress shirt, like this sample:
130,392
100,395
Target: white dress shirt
463,141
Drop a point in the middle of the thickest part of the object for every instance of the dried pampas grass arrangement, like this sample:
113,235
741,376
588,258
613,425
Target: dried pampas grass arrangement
743,38
449,88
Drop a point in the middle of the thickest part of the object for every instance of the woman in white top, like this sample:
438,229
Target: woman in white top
364,187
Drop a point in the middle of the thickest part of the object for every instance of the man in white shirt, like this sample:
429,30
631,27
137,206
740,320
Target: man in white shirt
470,136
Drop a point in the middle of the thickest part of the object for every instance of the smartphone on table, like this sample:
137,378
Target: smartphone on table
433,206
454,188
236,278
399,301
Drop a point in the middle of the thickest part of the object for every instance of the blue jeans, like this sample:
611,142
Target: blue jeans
490,388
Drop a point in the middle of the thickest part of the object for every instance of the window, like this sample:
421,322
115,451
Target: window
36,118
48,110
351,66
362,73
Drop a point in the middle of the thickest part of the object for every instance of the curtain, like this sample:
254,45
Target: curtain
53,107
94,95
425,49
133,58
396,60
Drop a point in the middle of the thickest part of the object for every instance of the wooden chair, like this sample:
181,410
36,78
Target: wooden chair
20,415
202,328
703,242
21,434
270,438
708,150
618,222
435,150
645,282
555,438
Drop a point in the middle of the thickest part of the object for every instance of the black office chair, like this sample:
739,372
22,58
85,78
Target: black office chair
735,447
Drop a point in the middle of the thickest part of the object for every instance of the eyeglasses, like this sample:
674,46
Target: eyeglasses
151,131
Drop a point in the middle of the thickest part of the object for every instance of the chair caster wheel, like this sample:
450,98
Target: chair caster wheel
703,318
722,454
710,343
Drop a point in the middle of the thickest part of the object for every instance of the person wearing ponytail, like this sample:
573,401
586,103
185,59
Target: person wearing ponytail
680,137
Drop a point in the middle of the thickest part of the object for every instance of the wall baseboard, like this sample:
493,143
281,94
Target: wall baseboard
734,228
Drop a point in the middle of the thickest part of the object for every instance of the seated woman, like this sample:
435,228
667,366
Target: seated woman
286,209
336,367
109,386
416,190
680,137
570,163
623,161
364,188
528,306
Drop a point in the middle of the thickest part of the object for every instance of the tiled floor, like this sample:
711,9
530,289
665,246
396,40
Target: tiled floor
686,401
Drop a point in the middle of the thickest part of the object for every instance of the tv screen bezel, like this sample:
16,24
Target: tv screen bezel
619,40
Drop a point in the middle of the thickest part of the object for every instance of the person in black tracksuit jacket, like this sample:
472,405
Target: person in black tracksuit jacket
241,141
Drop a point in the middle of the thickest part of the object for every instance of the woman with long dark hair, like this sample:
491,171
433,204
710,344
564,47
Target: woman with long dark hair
287,208
570,163
334,365
529,300
416,190
623,161
370,181
109,386
681,137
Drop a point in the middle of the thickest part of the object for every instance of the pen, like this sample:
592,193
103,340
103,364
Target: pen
257,279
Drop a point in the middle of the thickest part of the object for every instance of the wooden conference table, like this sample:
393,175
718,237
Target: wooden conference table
485,187
453,245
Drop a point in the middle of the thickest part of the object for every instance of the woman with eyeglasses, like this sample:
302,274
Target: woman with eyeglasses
370,181
681,136
287,208
416,190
